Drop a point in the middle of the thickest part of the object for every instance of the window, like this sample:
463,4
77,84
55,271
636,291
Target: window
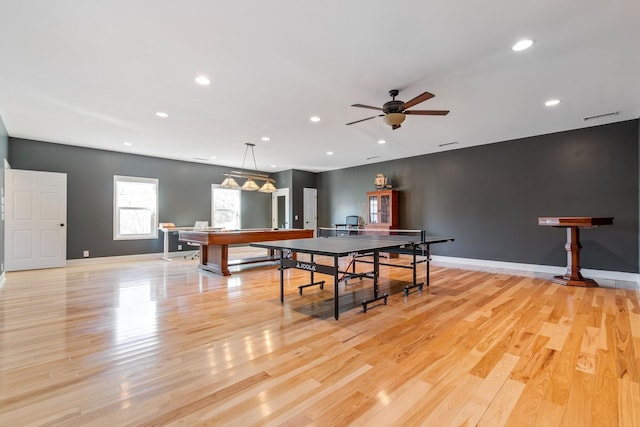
135,208
225,207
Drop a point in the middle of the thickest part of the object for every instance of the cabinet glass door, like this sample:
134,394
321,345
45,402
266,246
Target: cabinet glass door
385,206
373,210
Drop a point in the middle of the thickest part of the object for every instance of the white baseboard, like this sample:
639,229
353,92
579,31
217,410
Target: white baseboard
125,258
534,268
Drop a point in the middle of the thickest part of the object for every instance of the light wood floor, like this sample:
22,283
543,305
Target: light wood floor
161,343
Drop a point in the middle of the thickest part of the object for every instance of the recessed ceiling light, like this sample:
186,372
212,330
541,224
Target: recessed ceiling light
128,144
265,138
552,102
202,80
273,166
315,119
162,114
522,45
382,141
329,153
212,157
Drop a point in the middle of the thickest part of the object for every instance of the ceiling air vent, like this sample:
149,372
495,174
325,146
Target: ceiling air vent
599,116
447,143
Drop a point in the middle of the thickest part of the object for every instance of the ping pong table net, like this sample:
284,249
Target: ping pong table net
414,236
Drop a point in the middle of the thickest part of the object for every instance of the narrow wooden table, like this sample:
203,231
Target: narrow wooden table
214,245
573,277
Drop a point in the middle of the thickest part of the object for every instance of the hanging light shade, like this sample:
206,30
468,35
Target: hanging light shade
268,187
250,185
229,182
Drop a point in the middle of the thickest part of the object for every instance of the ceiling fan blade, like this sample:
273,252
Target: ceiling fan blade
418,99
427,112
368,118
366,106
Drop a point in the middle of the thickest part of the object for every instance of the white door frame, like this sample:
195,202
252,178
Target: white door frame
274,207
310,209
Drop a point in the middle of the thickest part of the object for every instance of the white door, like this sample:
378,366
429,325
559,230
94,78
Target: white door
280,208
36,220
310,208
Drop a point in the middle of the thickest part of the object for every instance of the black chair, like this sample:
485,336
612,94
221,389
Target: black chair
352,221
351,224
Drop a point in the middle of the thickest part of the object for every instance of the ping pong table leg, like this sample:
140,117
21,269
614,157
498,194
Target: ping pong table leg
336,298
414,266
311,283
427,268
376,270
281,277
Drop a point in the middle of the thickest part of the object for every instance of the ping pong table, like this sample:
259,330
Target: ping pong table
363,246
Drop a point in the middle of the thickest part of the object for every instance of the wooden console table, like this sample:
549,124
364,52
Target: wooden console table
573,277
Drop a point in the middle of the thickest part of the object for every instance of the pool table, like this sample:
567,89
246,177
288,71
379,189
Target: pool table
214,245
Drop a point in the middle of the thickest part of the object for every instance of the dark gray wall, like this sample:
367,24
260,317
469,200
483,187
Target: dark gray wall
283,179
301,180
4,149
489,197
184,193
296,181
256,209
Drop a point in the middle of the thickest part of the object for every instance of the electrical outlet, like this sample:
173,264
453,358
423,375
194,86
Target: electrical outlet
179,247
85,254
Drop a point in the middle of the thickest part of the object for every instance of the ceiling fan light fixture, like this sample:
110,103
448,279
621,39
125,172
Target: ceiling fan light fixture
394,119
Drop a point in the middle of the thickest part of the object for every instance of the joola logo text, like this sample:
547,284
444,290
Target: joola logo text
305,266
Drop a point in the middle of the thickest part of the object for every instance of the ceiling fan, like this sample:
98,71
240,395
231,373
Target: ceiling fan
395,111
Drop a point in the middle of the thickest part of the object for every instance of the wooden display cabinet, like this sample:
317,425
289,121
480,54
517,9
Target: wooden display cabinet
382,209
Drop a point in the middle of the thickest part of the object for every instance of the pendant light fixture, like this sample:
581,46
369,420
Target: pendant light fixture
251,177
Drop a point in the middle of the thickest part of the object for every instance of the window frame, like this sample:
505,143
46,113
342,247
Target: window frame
116,209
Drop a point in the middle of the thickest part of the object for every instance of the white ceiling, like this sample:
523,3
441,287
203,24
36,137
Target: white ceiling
94,74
